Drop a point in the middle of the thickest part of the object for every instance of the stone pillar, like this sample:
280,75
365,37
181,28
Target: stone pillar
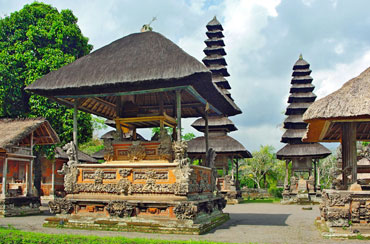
52,191
5,172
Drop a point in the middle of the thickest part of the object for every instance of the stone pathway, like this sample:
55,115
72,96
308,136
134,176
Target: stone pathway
253,222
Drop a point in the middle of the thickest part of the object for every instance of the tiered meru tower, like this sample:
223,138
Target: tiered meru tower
228,150
304,184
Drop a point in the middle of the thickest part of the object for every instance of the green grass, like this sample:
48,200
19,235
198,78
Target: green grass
264,200
11,235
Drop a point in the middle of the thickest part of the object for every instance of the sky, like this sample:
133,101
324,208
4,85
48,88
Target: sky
263,39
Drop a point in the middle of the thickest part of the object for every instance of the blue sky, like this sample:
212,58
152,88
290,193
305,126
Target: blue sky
263,40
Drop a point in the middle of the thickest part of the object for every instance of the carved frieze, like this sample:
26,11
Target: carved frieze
120,209
185,210
125,172
150,174
136,152
60,205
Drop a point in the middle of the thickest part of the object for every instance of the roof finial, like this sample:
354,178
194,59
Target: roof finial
147,27
300,56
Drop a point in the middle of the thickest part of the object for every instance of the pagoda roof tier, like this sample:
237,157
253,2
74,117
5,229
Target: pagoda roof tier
223,84
214,50
221,144
214,59
314,150
214,33
214,122
293,136
301,64
306,79
227,93
146,66
294,122
214,24
300,97
297,108
296,88
301,72
218,69
214,42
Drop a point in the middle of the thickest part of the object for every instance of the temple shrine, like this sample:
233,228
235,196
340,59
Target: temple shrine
304,184
142,80
228,150
18,137
344,116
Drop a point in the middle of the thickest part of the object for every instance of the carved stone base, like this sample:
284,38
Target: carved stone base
19,206
232,197
183,217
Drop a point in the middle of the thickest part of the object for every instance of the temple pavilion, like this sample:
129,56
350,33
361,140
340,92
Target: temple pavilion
304,179
142,80
344,116
18,137
228,150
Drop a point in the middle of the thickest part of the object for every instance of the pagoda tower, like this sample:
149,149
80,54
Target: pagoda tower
227,148
302,155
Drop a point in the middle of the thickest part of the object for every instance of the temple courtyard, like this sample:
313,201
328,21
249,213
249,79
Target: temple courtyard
249,223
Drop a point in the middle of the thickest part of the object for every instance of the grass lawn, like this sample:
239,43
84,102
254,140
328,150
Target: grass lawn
11,235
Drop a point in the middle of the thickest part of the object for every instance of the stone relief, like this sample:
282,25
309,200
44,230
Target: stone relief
60,205
120,209
165,146
185,210
71,152
180,148
150,174
70,177
125,172
136,151
108,150
337,199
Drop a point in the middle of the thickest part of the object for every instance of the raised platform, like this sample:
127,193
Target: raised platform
19,206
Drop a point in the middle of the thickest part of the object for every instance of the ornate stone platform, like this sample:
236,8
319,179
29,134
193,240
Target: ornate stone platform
19,206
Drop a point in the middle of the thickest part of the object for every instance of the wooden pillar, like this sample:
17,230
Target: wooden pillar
27,169
5,172
206,131
52,192
315,175
232,168
178,114
30,178
118,115
349,151
237,169
75,122
286,179
318,187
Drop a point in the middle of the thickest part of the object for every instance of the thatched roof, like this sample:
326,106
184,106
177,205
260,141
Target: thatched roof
221,144
351,102
99,155
314,150
82,157
214,123
18,131
135,64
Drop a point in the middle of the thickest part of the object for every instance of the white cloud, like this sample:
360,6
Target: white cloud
308,2
339,48
330,80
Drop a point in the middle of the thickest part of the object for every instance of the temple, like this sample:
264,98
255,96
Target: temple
142,80
228,150
305,179
344,116
18,137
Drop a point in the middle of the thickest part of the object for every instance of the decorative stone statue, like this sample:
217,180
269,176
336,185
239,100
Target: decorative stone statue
71,152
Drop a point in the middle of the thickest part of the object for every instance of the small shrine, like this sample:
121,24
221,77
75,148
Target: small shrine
142,80
52,183
228,150
304,184
18,137
344,116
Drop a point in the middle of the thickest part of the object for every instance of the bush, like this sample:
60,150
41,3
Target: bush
276,192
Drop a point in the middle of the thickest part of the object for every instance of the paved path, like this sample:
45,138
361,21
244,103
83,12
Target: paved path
253,222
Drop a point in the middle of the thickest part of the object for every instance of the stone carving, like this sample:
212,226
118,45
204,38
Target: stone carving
70,177
136,152
60,205
71,152
150,174
108,150
165,148
180,148
120,209
337,199
185,211
124,172
211,156
98,176
151,187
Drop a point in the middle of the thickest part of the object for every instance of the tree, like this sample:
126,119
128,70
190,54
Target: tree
185,137
262,163
33,42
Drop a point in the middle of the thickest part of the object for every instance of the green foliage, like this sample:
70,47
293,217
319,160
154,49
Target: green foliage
328,167
92,146
98,123
20,237
34,41
276,192
263,165
185,137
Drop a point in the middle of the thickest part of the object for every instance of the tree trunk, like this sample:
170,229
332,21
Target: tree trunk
37,172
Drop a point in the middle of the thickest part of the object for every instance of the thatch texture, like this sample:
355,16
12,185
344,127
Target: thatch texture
221,144
137,62
351,101
99,155
82,157
18,131
214,123
314,150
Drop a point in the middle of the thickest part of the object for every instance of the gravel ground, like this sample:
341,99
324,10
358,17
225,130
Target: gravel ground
253,222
